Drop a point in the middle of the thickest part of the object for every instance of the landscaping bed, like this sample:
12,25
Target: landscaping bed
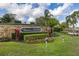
4,39
28,33
35,38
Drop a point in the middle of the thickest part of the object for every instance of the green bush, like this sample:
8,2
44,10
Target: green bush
34,38
57,29
26,33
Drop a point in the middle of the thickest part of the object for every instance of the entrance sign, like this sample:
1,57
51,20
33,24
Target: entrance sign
31,29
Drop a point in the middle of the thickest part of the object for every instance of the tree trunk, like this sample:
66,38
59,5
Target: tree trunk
73,27
50,31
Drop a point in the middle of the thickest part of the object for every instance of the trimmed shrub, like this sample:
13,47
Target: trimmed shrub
26,33
34,38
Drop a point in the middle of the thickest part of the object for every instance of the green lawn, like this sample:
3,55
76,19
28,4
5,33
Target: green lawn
70,46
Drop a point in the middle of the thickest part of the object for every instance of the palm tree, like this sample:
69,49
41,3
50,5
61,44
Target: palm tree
51,23
76,14
71,20
68,20
47,21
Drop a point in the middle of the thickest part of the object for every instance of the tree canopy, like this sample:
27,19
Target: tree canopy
47,20
7,18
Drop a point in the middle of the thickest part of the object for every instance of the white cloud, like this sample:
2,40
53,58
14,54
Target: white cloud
59,11
73,11
4,5
20,11
44,5
31,19
37,12
61,21
26,10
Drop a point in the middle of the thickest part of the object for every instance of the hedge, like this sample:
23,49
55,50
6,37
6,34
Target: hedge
26,33
34,38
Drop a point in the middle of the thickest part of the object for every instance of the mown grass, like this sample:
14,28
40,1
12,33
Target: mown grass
63,45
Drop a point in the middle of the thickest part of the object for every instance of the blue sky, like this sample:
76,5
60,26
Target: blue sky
28,12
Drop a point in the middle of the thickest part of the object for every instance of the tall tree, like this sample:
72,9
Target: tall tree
68,20
52,22
41,21
47,21
7,18
71,20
